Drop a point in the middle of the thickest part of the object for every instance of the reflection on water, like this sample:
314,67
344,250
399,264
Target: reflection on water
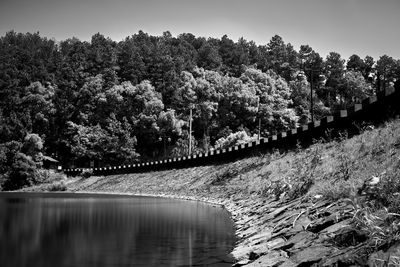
66,230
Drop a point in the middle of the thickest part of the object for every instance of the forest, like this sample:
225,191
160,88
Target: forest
103,102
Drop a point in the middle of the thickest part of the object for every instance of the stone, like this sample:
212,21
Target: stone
275,213
272,259
345,224
300,240
274,243
261,237
311,254
390,257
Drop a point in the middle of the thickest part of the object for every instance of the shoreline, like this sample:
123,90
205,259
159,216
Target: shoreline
223,203
268,231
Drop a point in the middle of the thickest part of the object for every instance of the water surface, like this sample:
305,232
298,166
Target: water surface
61,229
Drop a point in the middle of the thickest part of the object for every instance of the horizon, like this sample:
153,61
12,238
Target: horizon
361,27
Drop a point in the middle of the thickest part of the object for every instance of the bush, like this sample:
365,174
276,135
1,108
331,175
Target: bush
22,173
234,139
378,213
58,186
338,190
49,176
222,178
87,173
387,192
304,172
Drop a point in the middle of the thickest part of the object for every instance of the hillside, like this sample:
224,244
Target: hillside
335,202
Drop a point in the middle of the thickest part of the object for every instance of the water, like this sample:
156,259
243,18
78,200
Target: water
56,229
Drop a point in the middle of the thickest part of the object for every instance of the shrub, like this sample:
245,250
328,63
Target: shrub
222,178
338,190
303,172
378,214
87,173
381,226
387,192
48,176
22,173
234,139
58,186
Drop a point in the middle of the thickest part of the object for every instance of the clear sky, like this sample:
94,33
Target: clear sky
363,27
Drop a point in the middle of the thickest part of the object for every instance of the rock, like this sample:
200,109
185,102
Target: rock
345,224
300,240
390,257
274,243
321,224
261,237
311,254
318,196
276,212
273,258
299,225
352,256
253,256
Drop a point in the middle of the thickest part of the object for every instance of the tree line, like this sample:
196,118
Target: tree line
113,102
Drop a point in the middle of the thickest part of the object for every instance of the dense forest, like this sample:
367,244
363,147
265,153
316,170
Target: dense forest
105,102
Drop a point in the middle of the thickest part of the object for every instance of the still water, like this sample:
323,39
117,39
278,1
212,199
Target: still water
62,229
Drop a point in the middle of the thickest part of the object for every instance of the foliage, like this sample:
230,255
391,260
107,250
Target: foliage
19,162
353,88
57,186
49,176
380,225
234,139
386,193
222,178
304,172
86,173
22,173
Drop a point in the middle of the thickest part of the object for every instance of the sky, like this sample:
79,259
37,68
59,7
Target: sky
362,27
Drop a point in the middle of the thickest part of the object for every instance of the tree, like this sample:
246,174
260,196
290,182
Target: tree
386,68
170,127
32,147
310,60
273,94
208,57
102,54
131,60
19,162
355,63
334,70
113,144
301,97
23,172
37,103
353,88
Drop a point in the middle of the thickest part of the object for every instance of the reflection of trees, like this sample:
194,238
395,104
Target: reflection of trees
73,232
